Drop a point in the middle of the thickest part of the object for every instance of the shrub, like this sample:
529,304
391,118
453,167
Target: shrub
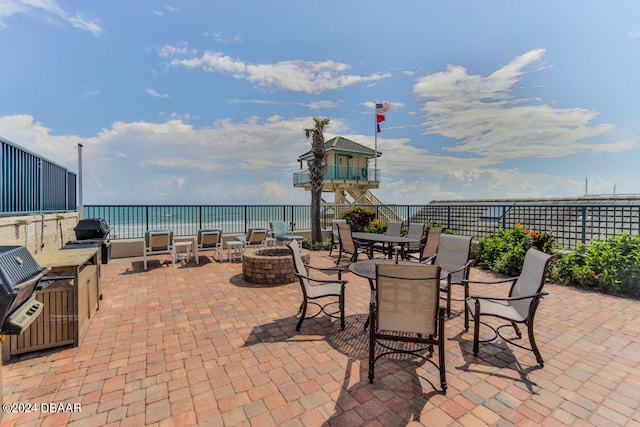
376,227
358,217
504,250
612,265
319,246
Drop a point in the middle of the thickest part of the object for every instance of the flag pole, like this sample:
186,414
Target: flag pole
375,133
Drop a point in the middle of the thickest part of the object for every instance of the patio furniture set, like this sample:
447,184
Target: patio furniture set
405,314
162,242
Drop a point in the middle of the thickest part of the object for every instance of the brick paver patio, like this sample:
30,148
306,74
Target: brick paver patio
197,345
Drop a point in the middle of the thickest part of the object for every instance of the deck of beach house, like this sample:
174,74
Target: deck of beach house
196,344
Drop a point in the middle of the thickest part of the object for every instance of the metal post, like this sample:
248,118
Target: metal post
80,197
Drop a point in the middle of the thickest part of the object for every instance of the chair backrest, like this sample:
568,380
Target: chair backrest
256,236
209,238
346,241
278,228
334,228
416,229
453,253
407,298
158,240
531,279
298,264
394,228
430,247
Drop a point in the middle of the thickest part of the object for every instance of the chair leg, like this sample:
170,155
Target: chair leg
342,310
466,307
476,328
517,329
448,298
372,345
441,351
534,347
303,308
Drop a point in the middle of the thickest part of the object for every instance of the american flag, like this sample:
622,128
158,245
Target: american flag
382,108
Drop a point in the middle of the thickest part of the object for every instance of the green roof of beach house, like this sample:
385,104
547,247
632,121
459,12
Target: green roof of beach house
343,145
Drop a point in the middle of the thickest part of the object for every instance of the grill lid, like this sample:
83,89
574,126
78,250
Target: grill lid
92,228
17,265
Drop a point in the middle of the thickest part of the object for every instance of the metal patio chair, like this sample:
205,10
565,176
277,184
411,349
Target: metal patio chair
427,249
335,234
518,307
453,256
348,245
315,288
406,316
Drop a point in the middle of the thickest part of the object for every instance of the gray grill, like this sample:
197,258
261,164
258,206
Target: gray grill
17,265
20,273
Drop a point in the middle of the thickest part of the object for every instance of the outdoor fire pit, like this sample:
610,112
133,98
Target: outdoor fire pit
270,266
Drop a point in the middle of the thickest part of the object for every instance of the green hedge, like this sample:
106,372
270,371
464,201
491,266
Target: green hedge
611,265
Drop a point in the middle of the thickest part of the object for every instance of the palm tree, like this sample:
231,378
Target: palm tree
317,168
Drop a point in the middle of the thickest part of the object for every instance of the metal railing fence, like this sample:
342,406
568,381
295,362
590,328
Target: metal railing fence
571,224
31,183
340,173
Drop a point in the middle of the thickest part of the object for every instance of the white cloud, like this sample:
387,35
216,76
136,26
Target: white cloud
293,75
635,32
487,119
319,105
50,7
152,92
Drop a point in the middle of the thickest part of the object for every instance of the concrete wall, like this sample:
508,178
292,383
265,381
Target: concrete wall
37,232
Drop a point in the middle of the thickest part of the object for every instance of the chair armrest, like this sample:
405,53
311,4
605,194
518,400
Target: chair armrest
339,270
489,282
429,260
464,267
536,295
342,282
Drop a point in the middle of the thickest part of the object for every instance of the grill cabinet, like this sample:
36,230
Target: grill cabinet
92,232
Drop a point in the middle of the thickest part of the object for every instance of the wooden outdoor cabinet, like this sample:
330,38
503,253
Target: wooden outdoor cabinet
69,303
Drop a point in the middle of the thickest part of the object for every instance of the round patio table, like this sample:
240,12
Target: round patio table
385,239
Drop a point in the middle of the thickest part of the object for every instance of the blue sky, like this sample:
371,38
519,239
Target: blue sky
206,102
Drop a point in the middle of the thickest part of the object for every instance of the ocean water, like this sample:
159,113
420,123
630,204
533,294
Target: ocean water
130,222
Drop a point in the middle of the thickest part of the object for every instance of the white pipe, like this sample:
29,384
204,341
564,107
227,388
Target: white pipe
80,198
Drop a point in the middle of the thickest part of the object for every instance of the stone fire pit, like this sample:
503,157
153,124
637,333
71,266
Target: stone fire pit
270,266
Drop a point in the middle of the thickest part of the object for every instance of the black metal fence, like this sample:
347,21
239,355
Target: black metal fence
31,183
571,224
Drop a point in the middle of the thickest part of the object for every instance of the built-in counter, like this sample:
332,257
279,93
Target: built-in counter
69,303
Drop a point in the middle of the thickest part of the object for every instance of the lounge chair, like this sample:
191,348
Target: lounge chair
281,233
159,242
209,240
254,237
